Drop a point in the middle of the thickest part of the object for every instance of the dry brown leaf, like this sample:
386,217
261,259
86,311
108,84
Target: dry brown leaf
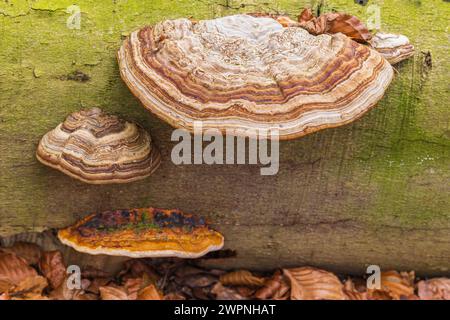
4,296
394,285
352,293
31,252
201,293
241,278
149,293
96,283
81,295
14,269
314,284
64,293
225,293
30,288
334,22
5,286
285,21
355,295
113,293
137,268
434,289
274,288
378,295
198,280
174,296
53,268
245,291
91,272
132,287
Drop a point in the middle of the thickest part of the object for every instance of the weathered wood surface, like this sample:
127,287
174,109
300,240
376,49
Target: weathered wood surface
374,192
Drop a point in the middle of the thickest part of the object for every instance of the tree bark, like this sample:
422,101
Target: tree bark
373,192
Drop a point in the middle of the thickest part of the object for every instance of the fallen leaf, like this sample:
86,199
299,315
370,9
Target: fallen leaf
224,293
4,296
352,293
5,286
31,252
241,278
53,268
274,288
245,291
64,293
174,296
285,21
96,283
314,284
81,295
91,272
198,280
201,293
395,285
14,269
434,289
136,269
334,22
149,293
113,293
30,288
132,286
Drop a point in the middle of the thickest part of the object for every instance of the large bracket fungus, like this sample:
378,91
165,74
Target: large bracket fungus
243,74
98,148
139,233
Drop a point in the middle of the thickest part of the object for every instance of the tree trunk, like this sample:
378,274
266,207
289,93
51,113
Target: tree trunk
373,192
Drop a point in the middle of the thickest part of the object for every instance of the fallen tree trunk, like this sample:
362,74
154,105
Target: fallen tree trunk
374,192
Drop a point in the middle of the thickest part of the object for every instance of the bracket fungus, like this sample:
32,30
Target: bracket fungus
393,47
99,148
241,74
138,233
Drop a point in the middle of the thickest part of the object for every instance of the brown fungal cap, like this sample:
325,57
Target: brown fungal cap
393,47
147,232
241,73
99,148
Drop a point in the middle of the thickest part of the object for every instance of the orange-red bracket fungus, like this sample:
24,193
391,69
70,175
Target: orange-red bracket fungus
99,148
139,233
244,73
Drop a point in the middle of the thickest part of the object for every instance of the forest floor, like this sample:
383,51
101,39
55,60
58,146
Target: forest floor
29,273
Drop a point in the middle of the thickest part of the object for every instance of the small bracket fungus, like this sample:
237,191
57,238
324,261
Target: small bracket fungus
241,74
393,47
139,233
98,148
